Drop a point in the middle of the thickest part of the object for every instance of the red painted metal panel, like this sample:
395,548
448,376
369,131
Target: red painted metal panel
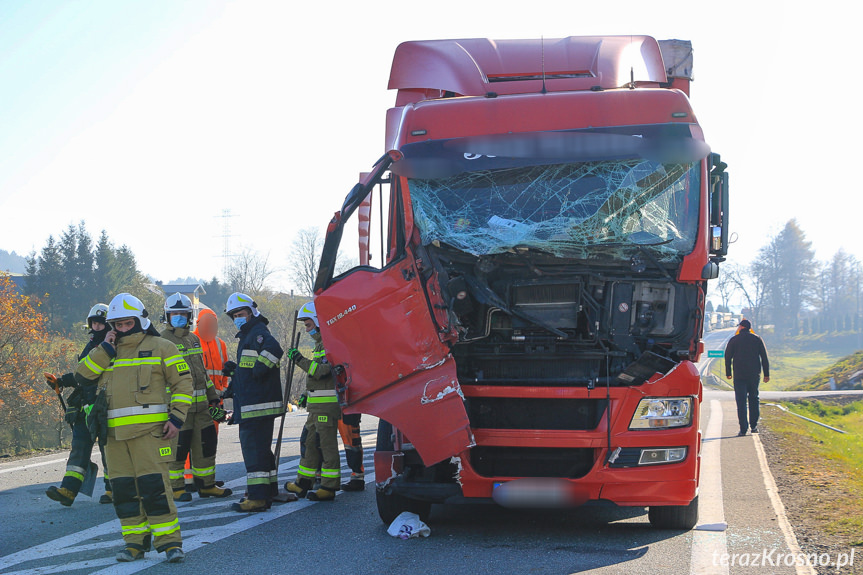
378,326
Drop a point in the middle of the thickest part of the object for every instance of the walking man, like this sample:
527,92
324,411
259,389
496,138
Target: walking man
746,358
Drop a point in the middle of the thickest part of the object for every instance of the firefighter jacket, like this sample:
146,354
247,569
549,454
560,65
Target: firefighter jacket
320,383
256,385
215,351
190,347
146,381
85,391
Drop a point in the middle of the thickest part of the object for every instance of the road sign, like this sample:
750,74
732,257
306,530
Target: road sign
715,353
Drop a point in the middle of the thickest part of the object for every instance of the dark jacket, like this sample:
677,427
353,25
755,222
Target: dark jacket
747,355
256,385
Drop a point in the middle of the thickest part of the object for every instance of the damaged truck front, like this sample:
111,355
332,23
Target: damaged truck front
549,215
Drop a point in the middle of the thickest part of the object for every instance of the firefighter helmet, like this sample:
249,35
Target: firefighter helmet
179,303
97,312
308,312
238,301
126,305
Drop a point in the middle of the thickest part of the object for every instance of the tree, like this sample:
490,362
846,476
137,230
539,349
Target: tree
29,407
249,272
785,268
305,259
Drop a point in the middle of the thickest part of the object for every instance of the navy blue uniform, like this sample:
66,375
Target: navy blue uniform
256,390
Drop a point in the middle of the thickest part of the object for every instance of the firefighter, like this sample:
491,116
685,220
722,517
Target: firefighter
215,348
198,437
84,394
256,390
144,393
349,428
324,413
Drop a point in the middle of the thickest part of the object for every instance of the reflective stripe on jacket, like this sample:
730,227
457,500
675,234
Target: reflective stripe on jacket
190,346
256,386
147,381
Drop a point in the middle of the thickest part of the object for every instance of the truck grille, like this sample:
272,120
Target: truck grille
531,462
534,413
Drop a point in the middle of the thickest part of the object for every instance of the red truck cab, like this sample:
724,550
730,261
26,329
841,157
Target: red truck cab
551,217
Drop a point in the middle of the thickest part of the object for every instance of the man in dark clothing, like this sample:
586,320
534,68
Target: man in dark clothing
256,390
746,356
84,394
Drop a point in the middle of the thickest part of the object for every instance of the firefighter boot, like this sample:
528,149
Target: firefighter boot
251,505
182,495
175,554
321,495
354,485
300,488
213,491
107,497
129,554
63,495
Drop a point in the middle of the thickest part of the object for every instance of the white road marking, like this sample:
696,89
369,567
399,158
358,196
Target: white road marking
192,538
29,465
708,538
779,509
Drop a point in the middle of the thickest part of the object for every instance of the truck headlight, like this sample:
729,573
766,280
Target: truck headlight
662,413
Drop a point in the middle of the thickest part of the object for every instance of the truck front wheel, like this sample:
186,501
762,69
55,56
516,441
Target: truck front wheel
391,505
674,516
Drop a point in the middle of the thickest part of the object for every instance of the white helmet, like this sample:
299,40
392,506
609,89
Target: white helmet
97,312
179,303
308,312
126,305
239,300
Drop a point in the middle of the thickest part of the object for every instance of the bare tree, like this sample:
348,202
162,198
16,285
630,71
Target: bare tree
248,272
304,262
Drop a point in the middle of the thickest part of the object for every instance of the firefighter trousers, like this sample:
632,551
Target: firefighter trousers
262,474
79,457
198,438
322,424
141,489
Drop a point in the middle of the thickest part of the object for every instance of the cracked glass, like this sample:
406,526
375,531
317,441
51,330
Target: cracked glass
568,210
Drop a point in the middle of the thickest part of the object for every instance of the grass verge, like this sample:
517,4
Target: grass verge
822,468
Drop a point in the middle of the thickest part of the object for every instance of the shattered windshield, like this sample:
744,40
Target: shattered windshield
568,210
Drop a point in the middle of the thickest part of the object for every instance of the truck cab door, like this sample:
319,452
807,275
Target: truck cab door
381,337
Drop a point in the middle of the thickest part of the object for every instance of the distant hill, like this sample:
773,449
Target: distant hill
847,373
12,262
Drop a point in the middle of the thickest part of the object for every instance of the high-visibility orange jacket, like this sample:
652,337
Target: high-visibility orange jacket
215,348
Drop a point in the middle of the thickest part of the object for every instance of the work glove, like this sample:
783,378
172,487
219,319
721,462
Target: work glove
301,402
67,380
228,368
294,355
71,416
217,412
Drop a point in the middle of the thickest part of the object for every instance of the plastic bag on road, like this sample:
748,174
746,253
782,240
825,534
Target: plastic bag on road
408,525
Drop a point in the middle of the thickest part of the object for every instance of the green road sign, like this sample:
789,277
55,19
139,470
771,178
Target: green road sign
715,353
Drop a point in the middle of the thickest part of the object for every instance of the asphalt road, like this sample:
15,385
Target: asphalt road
741,520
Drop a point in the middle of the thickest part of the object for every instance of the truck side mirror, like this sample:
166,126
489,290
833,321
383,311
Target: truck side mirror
718,179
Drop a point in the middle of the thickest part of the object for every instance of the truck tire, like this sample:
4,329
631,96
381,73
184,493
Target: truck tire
391,505
674,516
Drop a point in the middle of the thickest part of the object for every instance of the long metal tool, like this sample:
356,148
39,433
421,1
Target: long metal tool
295,341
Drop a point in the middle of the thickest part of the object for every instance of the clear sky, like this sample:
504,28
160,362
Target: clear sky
149,119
